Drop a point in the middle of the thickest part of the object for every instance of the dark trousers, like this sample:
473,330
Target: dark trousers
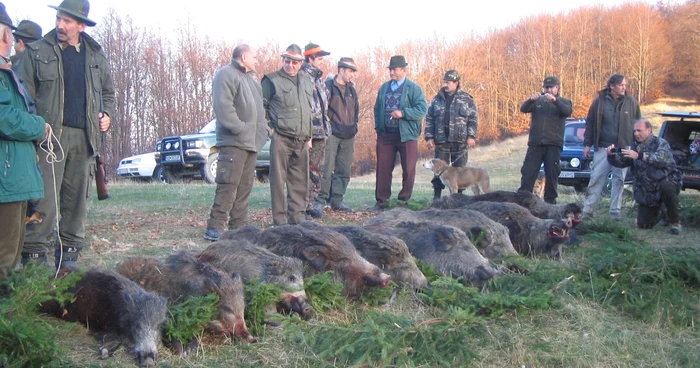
289,166
235,173
12,225
340,153
72,184
648,216
534,158
387,146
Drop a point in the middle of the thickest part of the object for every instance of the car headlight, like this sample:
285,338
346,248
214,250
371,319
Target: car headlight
136,161
168,146
575,162
194,144
176,145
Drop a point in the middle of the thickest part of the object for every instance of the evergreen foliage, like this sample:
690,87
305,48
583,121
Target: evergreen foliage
259,296
375,296
690,215
190,317
323,293
26,340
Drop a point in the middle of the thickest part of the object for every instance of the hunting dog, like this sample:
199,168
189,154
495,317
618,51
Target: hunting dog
456,178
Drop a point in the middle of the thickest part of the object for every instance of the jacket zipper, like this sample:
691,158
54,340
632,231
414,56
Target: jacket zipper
7,159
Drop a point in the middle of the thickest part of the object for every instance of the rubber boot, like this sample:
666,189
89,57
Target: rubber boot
36,257
70,257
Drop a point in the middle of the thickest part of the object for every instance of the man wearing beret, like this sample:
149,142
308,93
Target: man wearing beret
287,98
451,125
314,58
548,112
344,114
68,75
19,129
398,117
26,32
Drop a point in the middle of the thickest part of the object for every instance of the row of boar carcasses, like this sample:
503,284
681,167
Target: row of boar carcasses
458,237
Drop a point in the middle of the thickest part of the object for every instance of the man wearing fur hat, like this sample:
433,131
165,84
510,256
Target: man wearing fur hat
398,117
26,32
451,125
548,112
287,100
19,129
68,75
314,58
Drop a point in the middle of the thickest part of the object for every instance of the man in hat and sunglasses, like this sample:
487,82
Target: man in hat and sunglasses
26,32
398,117
287,98
19,129
548,112
451,125
68,75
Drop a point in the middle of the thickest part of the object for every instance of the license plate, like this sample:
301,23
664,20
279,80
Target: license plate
121,171
172,158
566,174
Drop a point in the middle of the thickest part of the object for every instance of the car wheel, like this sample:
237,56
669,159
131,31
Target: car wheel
158,175
580,188
263,176
209,169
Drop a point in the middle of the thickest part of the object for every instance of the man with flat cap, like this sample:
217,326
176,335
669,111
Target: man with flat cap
344,115
451,125
68,75
314,58
287,98
548,112
26,32
398,117
19,129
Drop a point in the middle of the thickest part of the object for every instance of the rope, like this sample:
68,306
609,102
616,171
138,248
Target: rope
52,159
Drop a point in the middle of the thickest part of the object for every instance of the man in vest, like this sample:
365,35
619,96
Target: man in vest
287,99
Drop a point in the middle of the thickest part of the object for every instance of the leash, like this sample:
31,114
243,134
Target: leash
52,159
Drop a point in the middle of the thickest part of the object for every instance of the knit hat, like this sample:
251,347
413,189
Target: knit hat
346,62
293,52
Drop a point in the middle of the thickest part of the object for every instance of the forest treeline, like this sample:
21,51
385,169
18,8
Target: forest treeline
163,82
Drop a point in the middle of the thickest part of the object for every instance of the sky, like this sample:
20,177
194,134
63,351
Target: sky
341,27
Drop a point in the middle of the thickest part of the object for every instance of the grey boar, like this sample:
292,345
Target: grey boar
447,248
530,235
324,251
106,301
182,276
534,204
254,263
489,237
385,251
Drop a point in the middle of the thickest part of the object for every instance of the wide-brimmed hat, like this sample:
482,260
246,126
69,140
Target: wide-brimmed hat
28,29
550,81
4,18
78,9
293,52
397,61
451,75
346,62
314,49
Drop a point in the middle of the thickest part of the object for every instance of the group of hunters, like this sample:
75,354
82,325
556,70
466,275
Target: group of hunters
57,95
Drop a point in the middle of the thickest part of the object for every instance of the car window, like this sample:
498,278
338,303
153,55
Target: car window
573,134
209,128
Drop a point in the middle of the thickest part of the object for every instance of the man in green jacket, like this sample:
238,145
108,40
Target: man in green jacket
241,131
288,97
398,118
26,32
67,74
20,179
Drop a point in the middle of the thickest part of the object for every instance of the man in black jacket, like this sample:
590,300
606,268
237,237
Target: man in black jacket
548,117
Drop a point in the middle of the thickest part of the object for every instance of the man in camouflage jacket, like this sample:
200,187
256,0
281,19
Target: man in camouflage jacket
311,69
657,181
451,125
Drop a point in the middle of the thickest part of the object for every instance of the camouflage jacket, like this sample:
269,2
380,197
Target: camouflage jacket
463,118
654,165
319,107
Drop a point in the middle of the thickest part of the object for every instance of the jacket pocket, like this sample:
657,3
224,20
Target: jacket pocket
287,97
225,169
47,68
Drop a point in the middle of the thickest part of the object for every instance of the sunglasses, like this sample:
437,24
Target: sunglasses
290,61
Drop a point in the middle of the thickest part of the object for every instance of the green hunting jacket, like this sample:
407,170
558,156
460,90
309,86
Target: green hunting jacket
19,179
413,106
41,72
288,104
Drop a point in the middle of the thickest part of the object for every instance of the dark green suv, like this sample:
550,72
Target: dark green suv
196,155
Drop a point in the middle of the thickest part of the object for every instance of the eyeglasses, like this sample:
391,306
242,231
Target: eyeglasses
290,61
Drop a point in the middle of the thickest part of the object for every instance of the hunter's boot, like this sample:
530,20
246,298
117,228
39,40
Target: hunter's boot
69,259
438,186
34,257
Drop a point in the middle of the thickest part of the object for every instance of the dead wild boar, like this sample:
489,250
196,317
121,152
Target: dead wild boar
530,235
182,276
254,263
489,237
538,207
387,252
447,248
324,251
107,302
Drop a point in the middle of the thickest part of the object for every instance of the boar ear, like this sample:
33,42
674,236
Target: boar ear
235,276
445,236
